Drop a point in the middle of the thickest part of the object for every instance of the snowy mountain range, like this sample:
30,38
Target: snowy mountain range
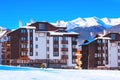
94,25
88,22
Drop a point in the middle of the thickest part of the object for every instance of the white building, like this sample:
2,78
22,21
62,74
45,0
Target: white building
102,52
42,42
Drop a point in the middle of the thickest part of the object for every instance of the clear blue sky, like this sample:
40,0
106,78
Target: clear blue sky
11,11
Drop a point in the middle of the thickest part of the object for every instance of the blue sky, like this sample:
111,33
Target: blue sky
11,11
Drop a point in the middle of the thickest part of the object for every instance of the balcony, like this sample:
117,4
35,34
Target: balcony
74,49
64,56
64,62
74,57
55,49
64,49
4,51
8,45
55,42
64,42
24,49
74,42
8,49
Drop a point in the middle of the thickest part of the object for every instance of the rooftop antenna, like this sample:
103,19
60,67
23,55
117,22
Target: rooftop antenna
20,23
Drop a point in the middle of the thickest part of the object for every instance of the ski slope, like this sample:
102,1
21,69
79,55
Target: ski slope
18,73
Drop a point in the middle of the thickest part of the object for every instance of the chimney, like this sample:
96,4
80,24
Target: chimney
31,20
58,23
20,23
104,32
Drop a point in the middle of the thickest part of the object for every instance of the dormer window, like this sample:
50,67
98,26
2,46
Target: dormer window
41,26
113,36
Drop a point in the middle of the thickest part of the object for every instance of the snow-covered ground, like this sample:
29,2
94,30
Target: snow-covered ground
17,73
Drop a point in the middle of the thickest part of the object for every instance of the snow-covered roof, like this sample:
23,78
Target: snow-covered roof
103,38
62,33
89,41
2,33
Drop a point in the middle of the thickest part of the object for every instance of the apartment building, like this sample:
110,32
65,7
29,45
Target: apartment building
3,38
42,42
102,52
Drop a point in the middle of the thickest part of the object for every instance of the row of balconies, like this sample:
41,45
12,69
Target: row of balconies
65,42
39,61
65,49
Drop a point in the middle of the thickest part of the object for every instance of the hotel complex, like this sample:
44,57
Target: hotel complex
41,43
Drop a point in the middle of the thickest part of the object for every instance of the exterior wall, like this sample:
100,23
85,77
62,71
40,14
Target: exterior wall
103,52
113,55
0,53
30,46
114,51
41,43
48,27
70,52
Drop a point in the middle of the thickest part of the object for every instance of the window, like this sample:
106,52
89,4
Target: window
47,41
99,62
36,46
23,38
36,53
23,31
56,54
64,46
31,53
23,46
95,55
99,41
99,48
106,41
36,38
118,43
55,38
56,46
47,48
113,36
99,55
31,30
64,38
74,46
31,38
74,39
118,50
8,37
31,45
23,53
47,55
41,26
118,64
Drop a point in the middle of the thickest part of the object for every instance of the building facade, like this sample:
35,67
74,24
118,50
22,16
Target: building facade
101,52
3,39
42,42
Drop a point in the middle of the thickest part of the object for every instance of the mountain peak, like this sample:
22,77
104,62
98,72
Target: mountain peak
89,22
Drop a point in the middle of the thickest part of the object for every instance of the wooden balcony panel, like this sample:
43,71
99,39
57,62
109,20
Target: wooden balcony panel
56,49
55,42
64,49
64,56
74,42
64,42
74,57
24,49
74,50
